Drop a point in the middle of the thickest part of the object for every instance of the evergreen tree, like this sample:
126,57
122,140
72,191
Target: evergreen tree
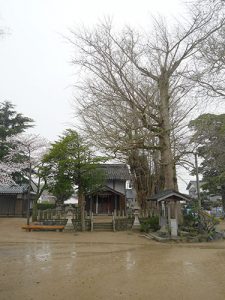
209,135
70,163
11,123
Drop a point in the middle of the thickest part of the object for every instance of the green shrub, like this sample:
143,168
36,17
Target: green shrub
207,223
190,216
150,224
190,219
201,221
44,206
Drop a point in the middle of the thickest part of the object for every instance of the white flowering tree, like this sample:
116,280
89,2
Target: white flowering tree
7,169
25,159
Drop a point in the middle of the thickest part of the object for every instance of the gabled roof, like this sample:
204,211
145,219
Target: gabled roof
194,183
116,171
168,194
106,188
13,189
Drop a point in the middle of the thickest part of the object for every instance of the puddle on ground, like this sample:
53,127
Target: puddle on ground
107,266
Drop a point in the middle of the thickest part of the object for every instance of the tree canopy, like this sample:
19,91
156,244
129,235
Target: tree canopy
136,89
11,124
71,163
209,137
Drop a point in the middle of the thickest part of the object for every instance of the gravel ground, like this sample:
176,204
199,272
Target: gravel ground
106,265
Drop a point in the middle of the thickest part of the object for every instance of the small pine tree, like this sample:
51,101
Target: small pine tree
71,161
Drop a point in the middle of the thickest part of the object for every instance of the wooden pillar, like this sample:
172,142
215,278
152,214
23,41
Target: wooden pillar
91,203
173,218
115,198
163,209
168,212
108,204
92,221
96,204
176,210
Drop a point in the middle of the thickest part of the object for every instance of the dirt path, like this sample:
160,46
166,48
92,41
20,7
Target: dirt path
122,265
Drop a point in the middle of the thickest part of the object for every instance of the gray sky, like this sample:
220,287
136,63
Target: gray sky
35,70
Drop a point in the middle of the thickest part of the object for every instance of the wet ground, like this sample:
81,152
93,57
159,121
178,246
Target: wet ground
106,265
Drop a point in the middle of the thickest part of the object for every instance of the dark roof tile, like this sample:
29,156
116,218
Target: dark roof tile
168,193
116,171
13,189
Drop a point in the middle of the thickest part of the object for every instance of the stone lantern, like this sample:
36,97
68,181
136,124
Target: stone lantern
136,224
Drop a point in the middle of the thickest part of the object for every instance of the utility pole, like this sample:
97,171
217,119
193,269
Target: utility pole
29,190
197,180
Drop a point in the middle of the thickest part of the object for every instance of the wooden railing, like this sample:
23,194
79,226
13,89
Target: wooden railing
121,220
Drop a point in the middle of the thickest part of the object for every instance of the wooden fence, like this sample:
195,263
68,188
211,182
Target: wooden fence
121,220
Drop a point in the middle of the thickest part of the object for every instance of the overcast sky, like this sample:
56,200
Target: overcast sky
35,70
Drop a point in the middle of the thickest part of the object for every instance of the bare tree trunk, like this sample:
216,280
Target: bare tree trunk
34,210
167,160
175,178
141,176
223,196
81,202
167,164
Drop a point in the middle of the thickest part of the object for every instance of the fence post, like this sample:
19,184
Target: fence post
114,221
38,215
92,221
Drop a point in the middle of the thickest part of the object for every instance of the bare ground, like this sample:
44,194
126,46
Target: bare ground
106,265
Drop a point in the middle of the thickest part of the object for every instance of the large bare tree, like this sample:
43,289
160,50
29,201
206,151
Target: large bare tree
116,103
136,89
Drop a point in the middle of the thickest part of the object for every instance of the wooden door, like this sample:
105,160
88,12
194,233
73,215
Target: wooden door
7,206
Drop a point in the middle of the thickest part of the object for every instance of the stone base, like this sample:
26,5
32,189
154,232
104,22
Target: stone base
173,227
136,227
69,228
136,224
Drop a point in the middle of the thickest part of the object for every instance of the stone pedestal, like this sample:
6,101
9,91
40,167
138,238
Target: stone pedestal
163,225
173,227
136,224
69,224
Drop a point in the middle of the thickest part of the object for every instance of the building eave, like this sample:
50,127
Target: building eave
167,194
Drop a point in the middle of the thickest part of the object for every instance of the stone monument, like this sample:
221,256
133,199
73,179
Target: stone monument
69,215
136,224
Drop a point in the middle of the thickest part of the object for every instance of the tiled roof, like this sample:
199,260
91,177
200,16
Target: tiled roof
194,183
116,171
167,194
13,189
107,189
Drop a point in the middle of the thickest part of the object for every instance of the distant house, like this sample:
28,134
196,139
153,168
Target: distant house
14,200
116,192
192,191
72,200
192,188
46,197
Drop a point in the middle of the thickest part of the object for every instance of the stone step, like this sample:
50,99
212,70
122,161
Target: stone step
102,219
102,226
